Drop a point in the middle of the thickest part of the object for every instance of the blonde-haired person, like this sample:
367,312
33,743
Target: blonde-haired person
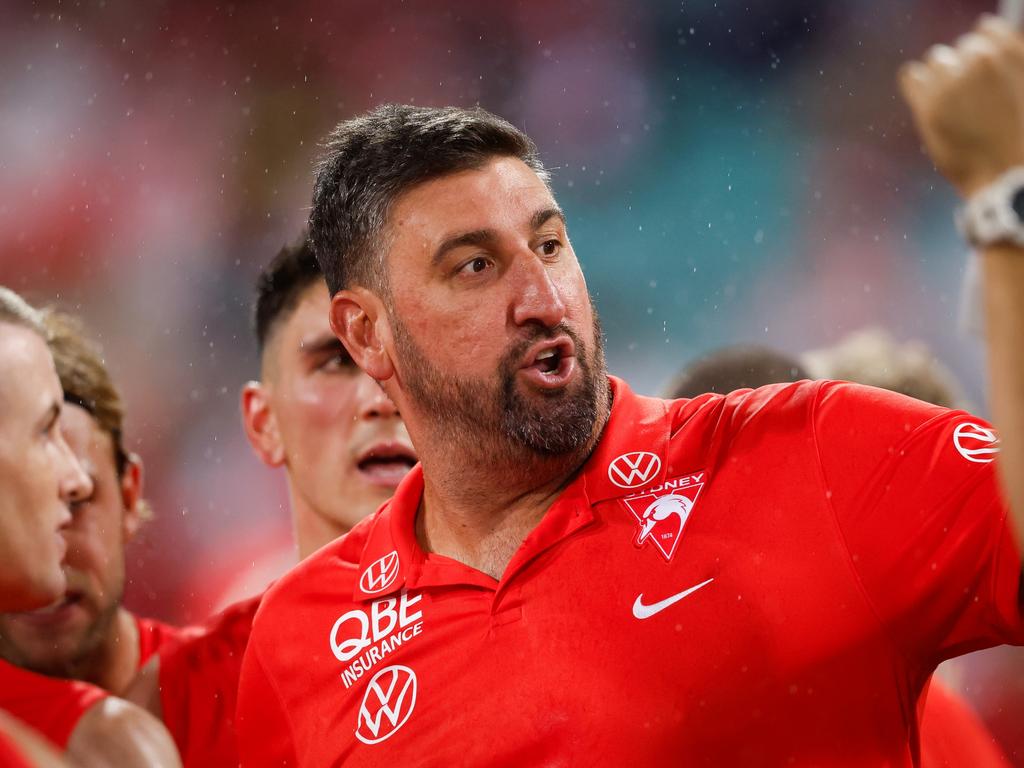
40,481
88,634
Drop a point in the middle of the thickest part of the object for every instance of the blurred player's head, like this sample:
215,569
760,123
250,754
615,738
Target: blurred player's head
738,367
314,412
871,356
67,636
454,281
39,476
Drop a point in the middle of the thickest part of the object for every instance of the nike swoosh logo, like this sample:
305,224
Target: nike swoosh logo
642,611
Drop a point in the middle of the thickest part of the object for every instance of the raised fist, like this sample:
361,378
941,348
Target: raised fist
968,104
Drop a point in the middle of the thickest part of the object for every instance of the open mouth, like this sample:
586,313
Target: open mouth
386,463
55,611
548,360
552,363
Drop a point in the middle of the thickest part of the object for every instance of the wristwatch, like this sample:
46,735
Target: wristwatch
995,213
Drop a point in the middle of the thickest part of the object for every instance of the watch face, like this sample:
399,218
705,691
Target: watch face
1017,203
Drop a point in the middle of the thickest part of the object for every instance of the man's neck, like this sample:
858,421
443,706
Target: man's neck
477,510
313,530
113,664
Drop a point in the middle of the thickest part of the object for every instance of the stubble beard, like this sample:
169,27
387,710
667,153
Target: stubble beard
72,663
494,420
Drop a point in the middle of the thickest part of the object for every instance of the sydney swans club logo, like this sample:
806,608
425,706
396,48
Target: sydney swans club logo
662,511
631,470
976,443
361,639
388,702
380,574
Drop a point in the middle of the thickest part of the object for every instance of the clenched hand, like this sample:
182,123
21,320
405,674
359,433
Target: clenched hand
968,104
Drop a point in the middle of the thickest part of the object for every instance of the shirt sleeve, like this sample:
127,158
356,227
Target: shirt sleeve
915,494
264,729
199,680
52,706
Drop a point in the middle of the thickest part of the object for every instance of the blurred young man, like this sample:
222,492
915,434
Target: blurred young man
89,635
39,479
40,476
313,412
771,576
344,450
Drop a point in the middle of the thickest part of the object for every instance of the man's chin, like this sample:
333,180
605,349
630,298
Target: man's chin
54,624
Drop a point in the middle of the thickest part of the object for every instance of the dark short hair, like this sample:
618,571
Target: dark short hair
732,368
280,285
368,162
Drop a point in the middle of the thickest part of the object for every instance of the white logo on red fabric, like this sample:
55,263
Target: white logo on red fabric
388,702
976,443
631,470
662,512
380,574
363,637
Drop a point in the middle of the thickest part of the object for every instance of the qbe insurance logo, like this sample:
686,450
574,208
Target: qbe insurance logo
380,574
975,442
387,704
362,638
631,470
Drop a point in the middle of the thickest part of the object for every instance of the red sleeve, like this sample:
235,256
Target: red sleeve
10,755
199,687
914,490
49,705
264,729
155,636
953,735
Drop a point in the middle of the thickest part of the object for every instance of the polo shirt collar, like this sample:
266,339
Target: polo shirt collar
630,455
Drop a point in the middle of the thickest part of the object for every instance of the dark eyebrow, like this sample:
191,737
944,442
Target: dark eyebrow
486,236
540,218
476,237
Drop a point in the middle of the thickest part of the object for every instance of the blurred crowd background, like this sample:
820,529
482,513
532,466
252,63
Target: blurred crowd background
732,172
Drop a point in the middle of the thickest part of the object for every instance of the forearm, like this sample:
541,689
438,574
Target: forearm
1003,271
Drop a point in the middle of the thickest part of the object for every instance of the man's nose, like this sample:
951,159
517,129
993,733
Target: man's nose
75,483
373,402
538,298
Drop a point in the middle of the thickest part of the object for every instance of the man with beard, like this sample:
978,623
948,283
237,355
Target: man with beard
40,479
344,449
89,635
577,575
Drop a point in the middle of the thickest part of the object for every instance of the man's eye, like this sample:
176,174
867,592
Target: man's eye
550,247
337,362
476,266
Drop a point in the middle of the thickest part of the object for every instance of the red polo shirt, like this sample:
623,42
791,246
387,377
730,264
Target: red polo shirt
10,755
199,687
953,736
766,578
155,636
50,705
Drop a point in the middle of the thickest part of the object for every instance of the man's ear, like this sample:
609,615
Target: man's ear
358,319
131,496
261,424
